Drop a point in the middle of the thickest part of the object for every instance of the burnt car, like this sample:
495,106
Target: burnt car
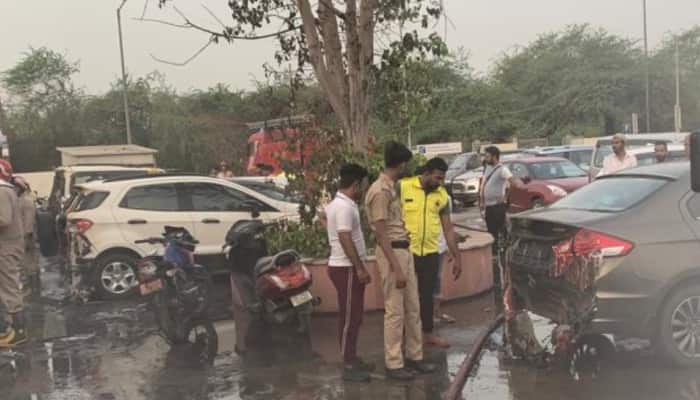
618,256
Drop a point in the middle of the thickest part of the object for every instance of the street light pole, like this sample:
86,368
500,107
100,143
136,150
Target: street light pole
125,96
646,66
677,109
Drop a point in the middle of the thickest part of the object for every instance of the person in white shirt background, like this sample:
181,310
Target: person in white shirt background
619,160
346,266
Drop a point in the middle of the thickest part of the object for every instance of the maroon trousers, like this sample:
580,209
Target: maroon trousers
351,307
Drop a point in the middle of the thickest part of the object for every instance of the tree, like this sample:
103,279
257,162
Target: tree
44,107
663,81
580,77
338,40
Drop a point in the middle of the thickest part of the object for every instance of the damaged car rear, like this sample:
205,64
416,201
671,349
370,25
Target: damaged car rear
619,256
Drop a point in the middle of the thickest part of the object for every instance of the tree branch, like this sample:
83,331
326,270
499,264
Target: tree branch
192,57
145,6
214,16
328,4
189,25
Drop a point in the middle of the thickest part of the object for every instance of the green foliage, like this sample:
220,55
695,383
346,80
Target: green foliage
308,240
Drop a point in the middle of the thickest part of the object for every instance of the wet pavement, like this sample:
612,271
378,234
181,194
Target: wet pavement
628,371
112,350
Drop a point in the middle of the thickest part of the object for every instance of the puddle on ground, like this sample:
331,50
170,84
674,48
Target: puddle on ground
629,371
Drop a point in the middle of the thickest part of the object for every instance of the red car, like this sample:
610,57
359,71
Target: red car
546,179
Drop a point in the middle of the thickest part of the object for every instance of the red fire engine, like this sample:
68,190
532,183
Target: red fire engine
273,141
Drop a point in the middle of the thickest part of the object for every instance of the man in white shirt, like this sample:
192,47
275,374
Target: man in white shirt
620,159
346,266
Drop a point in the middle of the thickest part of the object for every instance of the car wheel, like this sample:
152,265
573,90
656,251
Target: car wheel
115,276
679,332
536,203
46,232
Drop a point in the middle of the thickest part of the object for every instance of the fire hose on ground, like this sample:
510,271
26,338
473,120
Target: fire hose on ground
471,360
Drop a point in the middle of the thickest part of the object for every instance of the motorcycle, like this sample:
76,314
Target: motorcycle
180,292
271,297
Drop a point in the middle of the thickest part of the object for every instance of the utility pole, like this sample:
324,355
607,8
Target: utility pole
677,116
646,66
124,83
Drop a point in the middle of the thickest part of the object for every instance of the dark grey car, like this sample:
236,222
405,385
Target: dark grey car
636,234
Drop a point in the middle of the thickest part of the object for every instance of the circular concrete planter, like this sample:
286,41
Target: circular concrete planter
477,277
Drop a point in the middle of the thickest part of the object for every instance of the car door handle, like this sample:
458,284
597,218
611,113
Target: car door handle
136,222
210,221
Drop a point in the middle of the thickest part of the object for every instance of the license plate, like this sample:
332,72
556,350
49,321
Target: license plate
151,287
301,298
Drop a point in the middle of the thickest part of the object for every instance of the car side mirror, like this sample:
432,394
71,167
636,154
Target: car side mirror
526,179
695,161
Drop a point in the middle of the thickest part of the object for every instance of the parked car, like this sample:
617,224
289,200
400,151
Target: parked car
465,187
578,154
50,215
603,146
108,217
268,188
546,180
461,164
636,236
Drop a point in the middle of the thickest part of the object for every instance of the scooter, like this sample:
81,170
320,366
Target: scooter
271,297
180,292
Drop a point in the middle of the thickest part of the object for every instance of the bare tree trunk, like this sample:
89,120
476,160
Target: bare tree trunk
347,86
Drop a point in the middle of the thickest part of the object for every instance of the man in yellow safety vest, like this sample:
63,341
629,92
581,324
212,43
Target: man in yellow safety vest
426,214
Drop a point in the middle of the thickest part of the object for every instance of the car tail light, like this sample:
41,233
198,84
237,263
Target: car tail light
586,241
81,225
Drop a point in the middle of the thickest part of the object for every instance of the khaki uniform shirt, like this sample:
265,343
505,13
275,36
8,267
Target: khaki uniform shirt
382,204
11,229
27,207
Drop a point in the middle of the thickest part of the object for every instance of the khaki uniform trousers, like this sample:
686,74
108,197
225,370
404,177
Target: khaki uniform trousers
30,263
11,256
401,311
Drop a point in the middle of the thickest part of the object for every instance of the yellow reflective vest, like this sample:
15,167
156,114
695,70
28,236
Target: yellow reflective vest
421,214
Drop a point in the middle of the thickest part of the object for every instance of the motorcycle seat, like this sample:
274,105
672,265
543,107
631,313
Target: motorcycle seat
263,265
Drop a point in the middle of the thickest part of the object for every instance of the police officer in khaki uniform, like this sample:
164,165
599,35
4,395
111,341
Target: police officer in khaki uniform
11,253
395,264
27,208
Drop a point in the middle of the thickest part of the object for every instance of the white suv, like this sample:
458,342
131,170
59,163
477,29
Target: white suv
108,217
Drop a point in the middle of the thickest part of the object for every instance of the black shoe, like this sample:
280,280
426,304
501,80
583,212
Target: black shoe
400,374
362,364
421,367
21,336
355,373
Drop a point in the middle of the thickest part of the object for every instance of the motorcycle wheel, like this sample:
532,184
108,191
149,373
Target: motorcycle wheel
202,341
165,318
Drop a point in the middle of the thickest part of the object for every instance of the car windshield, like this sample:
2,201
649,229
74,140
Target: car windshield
613,194
556,170
459,162
79,178
271,191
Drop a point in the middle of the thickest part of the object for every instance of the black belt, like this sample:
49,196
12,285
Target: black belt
400,244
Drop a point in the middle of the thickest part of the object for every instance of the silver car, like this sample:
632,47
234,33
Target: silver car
619,256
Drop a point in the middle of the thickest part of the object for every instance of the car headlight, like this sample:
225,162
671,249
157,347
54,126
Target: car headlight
557,191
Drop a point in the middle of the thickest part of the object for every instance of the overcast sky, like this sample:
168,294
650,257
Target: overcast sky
86,30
